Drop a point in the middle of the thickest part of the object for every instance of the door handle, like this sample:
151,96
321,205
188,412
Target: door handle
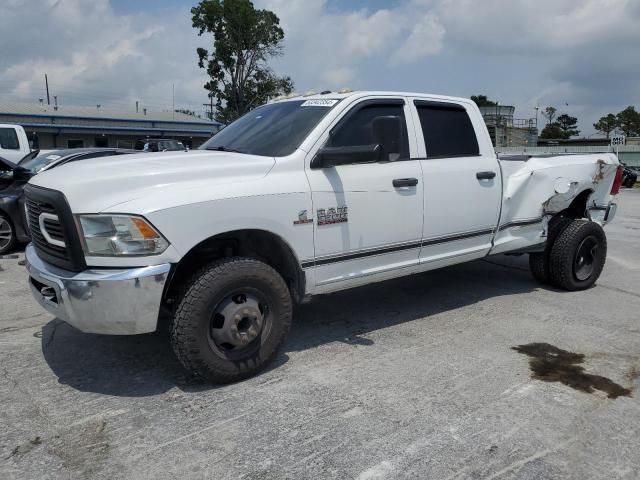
405,182
485,175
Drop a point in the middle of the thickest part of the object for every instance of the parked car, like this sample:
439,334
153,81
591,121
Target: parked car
629,177
14,143
159,145
301,197
14,177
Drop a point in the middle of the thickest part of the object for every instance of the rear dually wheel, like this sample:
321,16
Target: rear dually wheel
578,255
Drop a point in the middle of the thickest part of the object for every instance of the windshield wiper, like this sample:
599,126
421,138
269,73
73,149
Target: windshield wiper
222,148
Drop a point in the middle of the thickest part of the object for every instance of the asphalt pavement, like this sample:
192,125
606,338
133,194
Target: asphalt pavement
411,378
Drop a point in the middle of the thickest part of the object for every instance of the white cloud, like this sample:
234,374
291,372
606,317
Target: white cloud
545,52
339,76
426,38
93,55
367,35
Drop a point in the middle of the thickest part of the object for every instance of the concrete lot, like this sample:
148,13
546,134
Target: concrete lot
413,378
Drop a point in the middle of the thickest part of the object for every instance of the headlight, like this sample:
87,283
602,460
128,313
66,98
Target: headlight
119,235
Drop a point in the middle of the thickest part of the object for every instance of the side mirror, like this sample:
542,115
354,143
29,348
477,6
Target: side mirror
387,131
22,175
331,156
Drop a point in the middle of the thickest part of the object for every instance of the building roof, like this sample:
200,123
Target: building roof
68,111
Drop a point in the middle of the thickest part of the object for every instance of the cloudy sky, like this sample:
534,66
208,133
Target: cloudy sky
582,56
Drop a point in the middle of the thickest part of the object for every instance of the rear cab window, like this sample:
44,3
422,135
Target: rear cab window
447,130
9,139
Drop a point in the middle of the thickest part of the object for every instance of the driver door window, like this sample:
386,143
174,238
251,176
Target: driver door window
366,126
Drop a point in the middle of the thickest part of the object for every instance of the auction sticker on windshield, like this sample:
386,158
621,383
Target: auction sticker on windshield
321,102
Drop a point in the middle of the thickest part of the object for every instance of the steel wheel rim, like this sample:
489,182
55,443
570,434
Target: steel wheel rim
585,258
6,233
239,324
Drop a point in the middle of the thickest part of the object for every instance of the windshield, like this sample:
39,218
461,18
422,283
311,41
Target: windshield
273,130
36,164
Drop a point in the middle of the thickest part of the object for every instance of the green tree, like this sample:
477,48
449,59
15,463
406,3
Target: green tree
552,130
244,39
606,124
549,113
629,121
568,125
483,101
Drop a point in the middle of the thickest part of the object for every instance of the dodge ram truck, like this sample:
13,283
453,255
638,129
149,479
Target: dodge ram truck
305,195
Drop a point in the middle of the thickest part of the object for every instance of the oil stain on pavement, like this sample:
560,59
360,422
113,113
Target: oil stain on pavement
552,364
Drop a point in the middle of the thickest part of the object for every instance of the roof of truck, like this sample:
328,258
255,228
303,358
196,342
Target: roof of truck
344,93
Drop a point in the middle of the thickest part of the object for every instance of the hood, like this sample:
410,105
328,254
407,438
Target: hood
160,179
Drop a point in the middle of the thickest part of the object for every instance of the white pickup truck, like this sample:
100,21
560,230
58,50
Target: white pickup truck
302,196
14,144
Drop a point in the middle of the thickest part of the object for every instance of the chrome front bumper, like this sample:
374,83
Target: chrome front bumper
106,301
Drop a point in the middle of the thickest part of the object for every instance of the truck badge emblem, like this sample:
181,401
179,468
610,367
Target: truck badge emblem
302,218
332,215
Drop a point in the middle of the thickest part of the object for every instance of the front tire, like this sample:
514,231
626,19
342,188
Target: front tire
232,320
8,238
578,255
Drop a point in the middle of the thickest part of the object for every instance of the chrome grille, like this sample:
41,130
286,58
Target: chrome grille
53,227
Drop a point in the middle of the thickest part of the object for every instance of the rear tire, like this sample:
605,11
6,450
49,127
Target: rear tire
538,264
578,255
232,320
539,261
8,238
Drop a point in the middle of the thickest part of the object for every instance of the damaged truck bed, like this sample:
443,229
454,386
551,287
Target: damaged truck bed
536,189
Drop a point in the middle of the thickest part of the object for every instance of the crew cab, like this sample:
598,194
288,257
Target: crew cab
300,197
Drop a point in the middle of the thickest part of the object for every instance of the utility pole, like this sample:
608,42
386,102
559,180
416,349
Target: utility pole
46,84
173,104
209,108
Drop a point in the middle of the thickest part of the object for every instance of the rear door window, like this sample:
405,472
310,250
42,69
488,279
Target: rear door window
447,130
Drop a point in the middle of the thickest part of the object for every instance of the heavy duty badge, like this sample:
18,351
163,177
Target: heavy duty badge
332,215
302,218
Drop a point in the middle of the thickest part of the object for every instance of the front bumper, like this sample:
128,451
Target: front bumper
106,301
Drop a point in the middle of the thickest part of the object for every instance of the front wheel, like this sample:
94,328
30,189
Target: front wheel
578,255
7,235
232,320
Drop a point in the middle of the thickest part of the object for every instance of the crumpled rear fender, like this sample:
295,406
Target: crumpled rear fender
536,190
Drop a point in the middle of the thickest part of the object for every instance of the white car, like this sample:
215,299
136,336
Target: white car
300,197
